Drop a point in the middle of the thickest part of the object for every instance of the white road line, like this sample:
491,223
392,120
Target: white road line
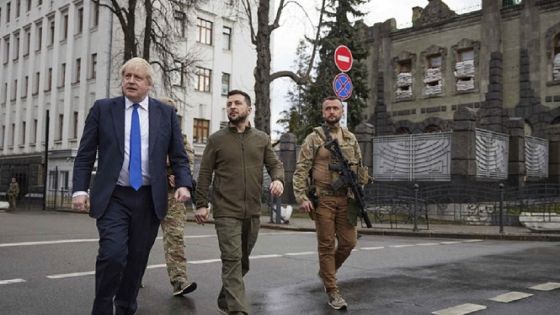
510,297
265,256
461,309
450,242
472,241
300,254
199,262
71,275
94,240
401,246
372,248
11,281
549,286
427,244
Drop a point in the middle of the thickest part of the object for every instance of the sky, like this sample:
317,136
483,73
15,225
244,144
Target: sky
295,24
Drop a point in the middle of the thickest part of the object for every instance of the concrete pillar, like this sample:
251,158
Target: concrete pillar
364,133
554,153
516,167
463,151
287,155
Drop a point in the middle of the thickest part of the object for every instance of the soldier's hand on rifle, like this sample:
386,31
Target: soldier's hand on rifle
81,203
201,215
276,188
306,206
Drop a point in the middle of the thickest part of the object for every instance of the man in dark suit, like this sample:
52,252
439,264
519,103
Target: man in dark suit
132,136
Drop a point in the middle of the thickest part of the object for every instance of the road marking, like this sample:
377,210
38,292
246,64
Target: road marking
401,246
510,297
71,275
549,286
450,242
461,309
198,262
372,248
300,254
472,241
11,281
265,256
427,244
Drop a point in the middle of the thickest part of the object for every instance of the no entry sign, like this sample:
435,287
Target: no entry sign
343,58
342,86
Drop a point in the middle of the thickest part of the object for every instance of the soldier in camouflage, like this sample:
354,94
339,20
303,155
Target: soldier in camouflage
173,227
334,212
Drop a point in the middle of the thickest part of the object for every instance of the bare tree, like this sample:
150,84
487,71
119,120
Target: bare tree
260,37
152,29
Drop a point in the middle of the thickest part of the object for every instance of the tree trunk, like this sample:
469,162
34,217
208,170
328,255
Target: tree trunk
262,69
129,38
148,32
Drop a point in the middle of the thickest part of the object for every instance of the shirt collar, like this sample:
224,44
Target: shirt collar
143,104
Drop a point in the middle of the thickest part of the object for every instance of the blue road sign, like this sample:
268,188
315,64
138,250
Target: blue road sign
342,86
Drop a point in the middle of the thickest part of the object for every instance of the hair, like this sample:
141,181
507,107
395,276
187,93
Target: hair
239,92
140,63
331,98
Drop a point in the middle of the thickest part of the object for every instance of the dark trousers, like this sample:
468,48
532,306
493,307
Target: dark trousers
127,231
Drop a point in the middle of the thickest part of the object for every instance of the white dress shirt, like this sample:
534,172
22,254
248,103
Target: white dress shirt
145,140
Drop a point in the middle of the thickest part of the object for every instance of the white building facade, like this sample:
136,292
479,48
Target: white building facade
58,56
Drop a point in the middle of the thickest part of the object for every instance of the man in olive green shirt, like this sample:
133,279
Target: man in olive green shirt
236,156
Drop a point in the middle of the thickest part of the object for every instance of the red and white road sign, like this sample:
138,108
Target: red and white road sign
343,58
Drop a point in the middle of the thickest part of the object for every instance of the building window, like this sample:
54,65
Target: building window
39,38
62,75
64,26
78,70
27,43
225,83
200,130
51,31
404,80
227,38
22,139
14,91
464,70
36,83
180,21
18,8
203,79
60,125
25,86
556,60
8,12
16,47
5,92
93,73
3,134
95,14
6,49
34,131
204,29
13,135
75,129
39,2
29,5
433,78
80,21
49,80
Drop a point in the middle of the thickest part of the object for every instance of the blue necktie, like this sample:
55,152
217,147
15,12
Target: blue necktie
135,158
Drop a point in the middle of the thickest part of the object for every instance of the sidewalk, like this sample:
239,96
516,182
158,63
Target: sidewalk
462,231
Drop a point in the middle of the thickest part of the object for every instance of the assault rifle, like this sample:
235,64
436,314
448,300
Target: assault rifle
347,178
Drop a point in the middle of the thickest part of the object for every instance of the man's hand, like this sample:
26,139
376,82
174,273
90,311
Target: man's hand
182,194
276,188
306,206
201,215
81,203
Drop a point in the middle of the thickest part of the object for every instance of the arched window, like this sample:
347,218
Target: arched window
403,131
528,128
432,128
556,58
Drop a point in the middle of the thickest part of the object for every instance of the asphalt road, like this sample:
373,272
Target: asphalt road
47,262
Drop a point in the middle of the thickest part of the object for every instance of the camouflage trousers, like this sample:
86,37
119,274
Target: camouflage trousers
12,199
173,227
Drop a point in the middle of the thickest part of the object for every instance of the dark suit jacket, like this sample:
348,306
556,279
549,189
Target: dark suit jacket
104,135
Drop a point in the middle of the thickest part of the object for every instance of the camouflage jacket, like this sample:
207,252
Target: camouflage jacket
350,149
190,154
13,190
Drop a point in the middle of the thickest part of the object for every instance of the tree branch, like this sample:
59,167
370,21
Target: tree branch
317,35
289,74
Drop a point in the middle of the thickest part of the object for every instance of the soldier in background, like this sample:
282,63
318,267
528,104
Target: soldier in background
173,227
13,193
334,212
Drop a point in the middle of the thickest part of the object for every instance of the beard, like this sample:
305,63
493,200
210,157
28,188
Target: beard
332,120
240,118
